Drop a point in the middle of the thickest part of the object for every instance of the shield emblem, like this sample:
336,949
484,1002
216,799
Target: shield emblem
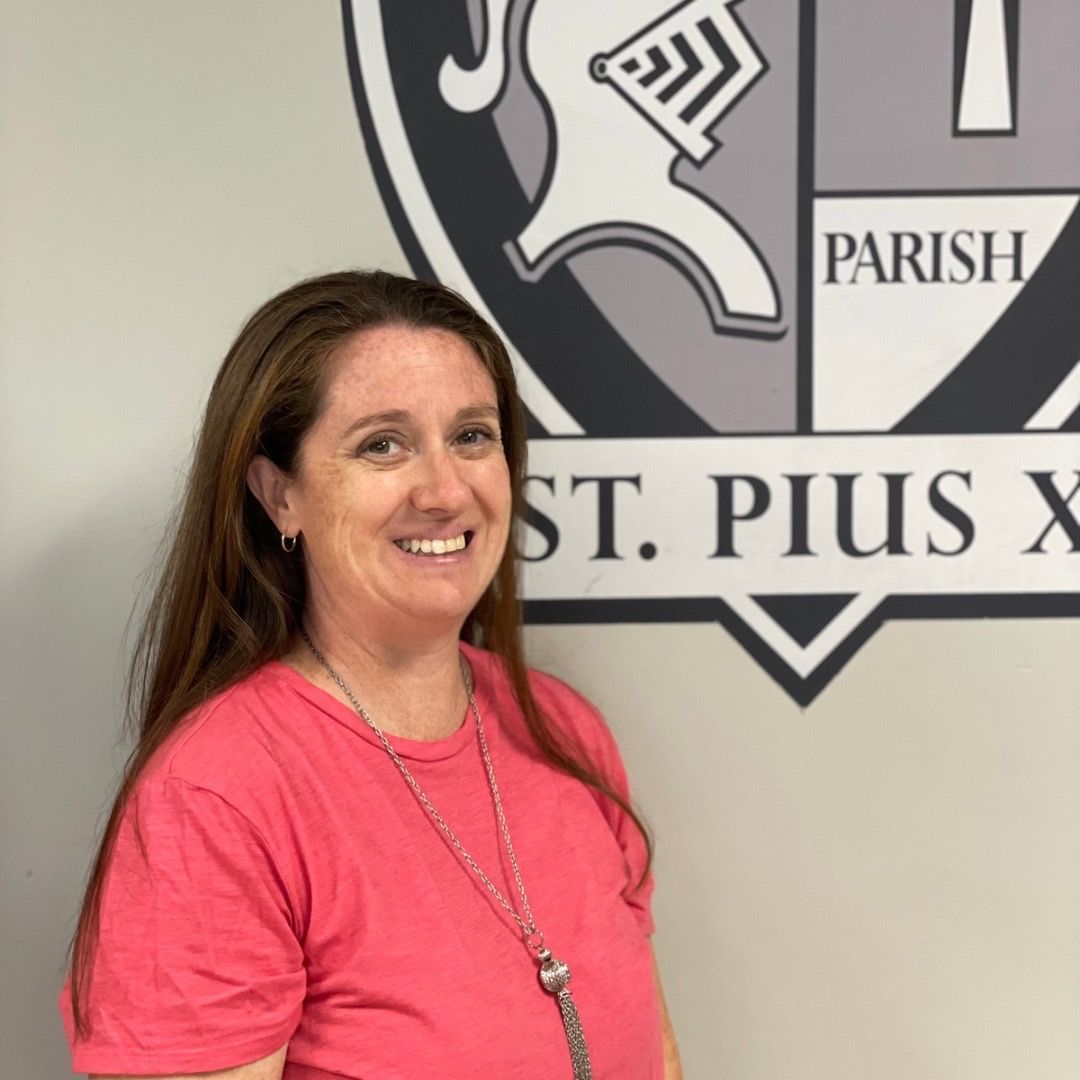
806,238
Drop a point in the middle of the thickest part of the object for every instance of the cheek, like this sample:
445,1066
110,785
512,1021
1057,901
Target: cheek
502,518
333,524
498,492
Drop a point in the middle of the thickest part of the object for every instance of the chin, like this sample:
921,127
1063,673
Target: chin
432,613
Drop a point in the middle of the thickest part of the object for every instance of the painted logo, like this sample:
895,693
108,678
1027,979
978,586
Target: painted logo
791,288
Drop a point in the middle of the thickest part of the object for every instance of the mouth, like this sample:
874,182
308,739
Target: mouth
443,546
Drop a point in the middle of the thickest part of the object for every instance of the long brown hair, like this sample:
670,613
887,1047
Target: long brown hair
228,598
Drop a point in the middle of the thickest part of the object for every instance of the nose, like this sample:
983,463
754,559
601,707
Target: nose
440,484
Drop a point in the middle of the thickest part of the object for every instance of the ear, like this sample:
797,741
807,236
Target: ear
272,488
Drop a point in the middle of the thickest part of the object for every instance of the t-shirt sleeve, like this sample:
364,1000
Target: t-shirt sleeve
638,893
198,964
589,730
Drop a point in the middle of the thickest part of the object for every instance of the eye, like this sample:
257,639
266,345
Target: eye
475,436
381,445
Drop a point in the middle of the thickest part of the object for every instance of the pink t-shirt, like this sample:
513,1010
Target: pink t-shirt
294,890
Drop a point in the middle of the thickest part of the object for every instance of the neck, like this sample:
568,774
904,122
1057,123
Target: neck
412,690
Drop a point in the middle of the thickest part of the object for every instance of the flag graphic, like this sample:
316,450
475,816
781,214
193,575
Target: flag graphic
684,71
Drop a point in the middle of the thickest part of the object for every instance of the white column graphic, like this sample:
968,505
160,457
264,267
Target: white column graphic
986,96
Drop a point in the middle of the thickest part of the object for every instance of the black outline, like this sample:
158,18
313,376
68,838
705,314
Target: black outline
711,609
750,243
1009,373
830,433
600,75
544,184
695,609
961,27
940,193
635,235
1068,427
650,406
383,180
806,58
660,19
483,49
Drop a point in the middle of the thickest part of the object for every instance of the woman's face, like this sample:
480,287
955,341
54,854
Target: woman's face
402,492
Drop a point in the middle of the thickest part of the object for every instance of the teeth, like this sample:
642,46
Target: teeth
433,547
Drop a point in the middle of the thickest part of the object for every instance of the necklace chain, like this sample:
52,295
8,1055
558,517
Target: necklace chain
534,938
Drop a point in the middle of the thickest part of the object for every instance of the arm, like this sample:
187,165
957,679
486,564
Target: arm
202,884
672,1065
267,1068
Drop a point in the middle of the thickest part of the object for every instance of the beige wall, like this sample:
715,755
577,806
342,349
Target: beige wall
884,885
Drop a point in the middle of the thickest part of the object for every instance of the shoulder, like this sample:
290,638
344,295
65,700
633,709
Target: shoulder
492,671
219,797
563,707
233,740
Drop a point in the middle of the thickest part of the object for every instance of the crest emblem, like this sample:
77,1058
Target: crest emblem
790,289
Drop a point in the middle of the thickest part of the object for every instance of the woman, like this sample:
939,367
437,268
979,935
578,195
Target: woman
355,823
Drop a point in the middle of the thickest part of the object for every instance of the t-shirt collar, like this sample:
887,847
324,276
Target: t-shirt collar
413,749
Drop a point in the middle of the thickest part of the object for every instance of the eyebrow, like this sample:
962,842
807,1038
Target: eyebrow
401,416
395,416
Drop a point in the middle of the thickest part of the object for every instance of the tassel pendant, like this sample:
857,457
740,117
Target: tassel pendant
554,976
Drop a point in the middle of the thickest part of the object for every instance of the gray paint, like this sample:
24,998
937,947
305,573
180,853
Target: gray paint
735,383
885,92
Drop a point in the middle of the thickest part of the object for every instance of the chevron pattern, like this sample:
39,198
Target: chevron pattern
684,71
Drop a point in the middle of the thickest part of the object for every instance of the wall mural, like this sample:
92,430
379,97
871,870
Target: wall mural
792,288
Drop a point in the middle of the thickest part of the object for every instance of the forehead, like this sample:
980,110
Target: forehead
393,366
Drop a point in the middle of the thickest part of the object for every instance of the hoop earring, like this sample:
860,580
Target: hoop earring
288,543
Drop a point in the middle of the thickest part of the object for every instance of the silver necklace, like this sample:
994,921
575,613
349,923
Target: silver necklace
554,974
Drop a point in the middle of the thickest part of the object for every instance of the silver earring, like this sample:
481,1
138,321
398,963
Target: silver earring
288,544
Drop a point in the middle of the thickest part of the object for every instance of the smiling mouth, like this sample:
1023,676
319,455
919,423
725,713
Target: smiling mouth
446,546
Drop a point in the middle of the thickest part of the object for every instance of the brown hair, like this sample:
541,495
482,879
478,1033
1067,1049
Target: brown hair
228,598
